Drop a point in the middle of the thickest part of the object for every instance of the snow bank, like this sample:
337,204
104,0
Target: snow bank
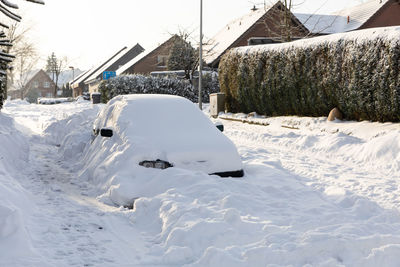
315,193
181,136
15,205
52,101
16,102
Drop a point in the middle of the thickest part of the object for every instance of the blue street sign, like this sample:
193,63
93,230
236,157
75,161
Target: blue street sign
109,74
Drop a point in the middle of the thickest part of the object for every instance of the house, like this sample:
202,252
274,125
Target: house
371,14
153,60
112,65
39,85
92,77
260,25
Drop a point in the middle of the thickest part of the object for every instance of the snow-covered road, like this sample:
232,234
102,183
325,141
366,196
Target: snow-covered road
325,194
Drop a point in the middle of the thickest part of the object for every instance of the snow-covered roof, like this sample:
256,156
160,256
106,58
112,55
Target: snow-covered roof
315,23
113,61
345,20
133,61
136,59
79,76
100,70
229,34
66,76
89,73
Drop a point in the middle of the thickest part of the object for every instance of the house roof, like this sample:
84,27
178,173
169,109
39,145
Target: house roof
85,76
79,76
109,65
141,56
345,20
229,34
27,77
315,23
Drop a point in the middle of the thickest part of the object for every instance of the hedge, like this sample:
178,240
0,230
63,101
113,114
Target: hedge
357,72
139,84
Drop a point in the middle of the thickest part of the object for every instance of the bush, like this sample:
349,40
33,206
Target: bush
357,72
139,84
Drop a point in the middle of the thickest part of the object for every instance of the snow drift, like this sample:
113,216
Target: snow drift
154,127
15,205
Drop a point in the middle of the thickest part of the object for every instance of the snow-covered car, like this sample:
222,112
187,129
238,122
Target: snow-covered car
168,131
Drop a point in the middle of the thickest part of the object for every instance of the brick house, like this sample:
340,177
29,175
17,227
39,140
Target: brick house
150,61
112,65
38,85
260,25
92,77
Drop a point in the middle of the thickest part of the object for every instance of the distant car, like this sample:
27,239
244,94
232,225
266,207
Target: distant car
168,131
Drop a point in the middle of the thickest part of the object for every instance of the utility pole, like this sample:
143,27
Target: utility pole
201,56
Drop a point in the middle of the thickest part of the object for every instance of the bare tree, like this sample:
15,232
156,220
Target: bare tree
280,23
24,51
283,26
5,57
54,67
26,58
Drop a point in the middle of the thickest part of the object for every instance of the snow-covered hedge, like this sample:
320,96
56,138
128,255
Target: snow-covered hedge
358,72
139,84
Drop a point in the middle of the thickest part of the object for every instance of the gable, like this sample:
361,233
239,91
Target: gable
388,15
366,15
146,62
258,23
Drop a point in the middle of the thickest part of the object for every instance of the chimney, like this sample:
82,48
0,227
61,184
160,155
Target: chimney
348,19
254,8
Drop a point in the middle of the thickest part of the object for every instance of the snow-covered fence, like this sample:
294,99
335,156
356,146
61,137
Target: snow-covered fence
358,72
139,84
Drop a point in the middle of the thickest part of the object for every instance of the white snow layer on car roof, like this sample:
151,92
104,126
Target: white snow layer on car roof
173,129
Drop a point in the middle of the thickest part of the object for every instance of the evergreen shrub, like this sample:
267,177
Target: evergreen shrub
357,72
140,84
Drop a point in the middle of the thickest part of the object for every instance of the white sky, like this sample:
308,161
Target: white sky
87,31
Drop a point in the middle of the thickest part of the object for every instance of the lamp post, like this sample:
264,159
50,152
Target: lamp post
201,56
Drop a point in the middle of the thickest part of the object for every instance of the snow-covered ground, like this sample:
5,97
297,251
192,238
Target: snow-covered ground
315,193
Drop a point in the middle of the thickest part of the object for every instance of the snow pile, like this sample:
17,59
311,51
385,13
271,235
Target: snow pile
315,193
185,138
15,206
52,101
14,103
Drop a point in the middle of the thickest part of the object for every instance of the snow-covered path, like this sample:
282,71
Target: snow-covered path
68,227
310,197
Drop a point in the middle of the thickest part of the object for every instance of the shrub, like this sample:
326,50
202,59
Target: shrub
357,72
139,84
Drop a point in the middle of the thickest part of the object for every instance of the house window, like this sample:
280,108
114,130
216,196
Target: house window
49,95
162,61
35,84
46,85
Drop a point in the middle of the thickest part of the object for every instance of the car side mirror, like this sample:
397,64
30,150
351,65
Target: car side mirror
220,126
106,132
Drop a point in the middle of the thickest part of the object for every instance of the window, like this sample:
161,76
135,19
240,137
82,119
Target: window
46,85
49,95
35,84
162,61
